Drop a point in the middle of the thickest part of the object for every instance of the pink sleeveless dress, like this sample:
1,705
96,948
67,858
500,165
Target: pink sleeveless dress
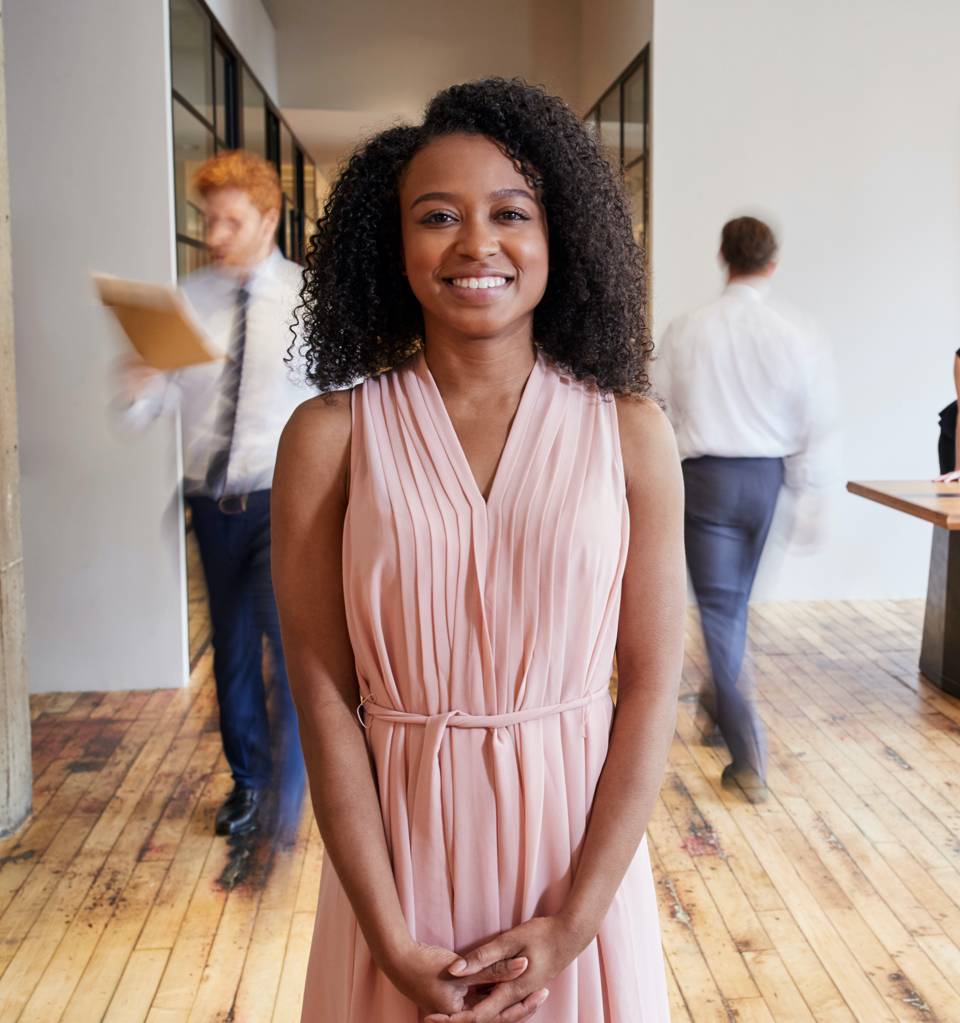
484,634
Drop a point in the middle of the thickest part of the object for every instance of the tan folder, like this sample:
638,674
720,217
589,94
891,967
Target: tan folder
157,320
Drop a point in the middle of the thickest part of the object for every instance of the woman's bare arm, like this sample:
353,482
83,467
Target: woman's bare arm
308,507
649,662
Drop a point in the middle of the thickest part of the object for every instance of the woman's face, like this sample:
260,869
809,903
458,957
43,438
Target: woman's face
474,238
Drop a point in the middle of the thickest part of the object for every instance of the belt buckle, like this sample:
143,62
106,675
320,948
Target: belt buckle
232,504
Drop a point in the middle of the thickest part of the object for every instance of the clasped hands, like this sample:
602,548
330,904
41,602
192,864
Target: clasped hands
502,981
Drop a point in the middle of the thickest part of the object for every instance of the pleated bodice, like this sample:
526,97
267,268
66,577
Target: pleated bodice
484,606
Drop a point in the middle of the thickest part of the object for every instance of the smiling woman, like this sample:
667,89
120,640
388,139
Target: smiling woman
461,543
360,315
475,258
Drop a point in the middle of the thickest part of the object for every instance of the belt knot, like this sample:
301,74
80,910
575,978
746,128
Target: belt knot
438,723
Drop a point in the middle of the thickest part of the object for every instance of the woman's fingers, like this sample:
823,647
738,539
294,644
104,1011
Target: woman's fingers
524,1010
505,1004
502,969
483,957
487,1011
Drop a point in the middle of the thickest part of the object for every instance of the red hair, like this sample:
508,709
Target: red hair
246,171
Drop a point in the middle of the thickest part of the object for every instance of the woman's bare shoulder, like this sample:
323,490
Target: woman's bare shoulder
646,437
315,444
326,417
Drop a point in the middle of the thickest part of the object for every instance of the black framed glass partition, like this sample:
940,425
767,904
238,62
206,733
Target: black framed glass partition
620,120
194,135
218,104
191,57
609,120
226,107
310,211
254,114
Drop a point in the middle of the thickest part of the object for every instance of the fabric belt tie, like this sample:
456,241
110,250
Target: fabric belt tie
436,725
426,806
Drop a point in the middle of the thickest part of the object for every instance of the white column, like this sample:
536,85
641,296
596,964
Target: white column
15,771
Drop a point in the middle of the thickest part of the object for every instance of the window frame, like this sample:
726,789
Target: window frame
641,63
290,237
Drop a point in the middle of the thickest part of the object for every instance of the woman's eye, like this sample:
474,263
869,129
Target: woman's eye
513,215
438,217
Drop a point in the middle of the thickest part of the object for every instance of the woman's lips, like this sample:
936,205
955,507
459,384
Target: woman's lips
479,289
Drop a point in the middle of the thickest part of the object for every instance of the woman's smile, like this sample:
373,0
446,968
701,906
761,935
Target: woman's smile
478,289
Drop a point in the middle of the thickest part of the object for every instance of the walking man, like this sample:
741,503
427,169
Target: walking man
750,396
232,413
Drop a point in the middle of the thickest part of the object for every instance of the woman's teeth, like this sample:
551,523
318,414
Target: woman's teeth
478,282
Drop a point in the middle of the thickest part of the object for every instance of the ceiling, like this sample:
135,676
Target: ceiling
347,69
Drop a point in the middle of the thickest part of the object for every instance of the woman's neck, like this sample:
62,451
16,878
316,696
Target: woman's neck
469,366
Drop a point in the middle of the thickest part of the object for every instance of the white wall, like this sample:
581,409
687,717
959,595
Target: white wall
251,31
842,121
90,172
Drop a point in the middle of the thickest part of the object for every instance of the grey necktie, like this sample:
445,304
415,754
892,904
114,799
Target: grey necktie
216,478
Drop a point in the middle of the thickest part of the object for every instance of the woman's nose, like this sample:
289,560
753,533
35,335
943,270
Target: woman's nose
477,240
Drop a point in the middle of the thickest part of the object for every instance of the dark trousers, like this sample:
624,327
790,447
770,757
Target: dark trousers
946,444
729,507
235,551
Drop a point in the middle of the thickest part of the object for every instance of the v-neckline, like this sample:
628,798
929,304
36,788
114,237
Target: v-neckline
455,445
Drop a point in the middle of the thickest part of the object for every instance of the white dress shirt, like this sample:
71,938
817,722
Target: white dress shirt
270,388
741,380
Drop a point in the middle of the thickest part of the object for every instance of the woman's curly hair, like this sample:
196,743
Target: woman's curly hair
358,316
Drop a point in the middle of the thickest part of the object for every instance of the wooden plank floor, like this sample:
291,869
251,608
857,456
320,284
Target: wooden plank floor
838,899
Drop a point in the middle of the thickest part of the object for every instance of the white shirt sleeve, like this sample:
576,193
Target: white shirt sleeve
812,473
161,395
662,370
816,467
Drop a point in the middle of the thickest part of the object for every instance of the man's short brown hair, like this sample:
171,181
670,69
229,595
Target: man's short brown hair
246,171
747,245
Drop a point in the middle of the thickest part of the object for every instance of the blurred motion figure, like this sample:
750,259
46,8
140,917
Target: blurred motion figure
232,413
751,397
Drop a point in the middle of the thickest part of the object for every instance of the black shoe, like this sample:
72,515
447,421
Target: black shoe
746,780
707,698
240,812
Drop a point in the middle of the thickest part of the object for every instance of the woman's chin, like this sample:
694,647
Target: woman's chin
480,324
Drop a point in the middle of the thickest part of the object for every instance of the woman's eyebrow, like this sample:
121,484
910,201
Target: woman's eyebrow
502,193
505,193
431,196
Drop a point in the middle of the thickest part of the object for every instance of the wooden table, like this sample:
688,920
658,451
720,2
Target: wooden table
938,503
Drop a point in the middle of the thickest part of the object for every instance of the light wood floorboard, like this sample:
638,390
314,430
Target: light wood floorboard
836,900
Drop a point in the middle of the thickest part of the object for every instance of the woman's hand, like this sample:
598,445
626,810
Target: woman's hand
549,944
421,973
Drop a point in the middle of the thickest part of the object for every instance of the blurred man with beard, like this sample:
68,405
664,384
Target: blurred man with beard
232,413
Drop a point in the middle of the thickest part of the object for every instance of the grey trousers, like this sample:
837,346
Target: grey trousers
729,507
